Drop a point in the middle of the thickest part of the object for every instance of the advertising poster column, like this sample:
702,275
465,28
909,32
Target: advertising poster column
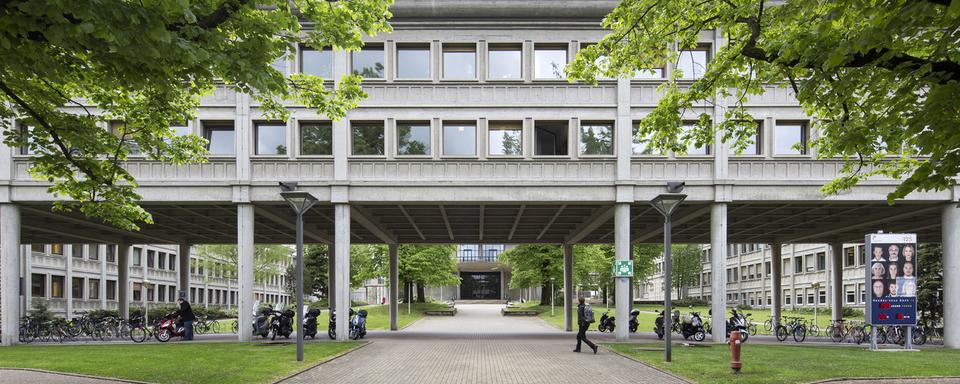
891,278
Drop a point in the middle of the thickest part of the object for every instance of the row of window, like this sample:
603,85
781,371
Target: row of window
460,61
154,259
91,290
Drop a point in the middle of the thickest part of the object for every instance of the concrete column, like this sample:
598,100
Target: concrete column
27,277
951,274
776,288
394,265
123,279
836,281
718,245
341,138
342,240
68,280
568,287
332,275
245,244
183,272
622,284
102,256
9,273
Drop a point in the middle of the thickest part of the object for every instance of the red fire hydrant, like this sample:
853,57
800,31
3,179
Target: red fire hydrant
734,343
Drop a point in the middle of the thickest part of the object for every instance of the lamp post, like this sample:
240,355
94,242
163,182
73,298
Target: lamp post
552,295
147,284
301,202
816,298
666,204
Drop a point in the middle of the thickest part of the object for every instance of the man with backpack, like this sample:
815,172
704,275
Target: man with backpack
584,319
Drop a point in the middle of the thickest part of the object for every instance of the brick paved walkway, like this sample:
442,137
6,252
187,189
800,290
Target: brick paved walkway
478,345
19,376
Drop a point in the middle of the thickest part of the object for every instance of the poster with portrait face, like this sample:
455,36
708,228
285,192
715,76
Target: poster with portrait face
891,278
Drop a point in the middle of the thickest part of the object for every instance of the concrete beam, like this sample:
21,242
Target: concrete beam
516,222
550,223
412,223
446,222
601,216
658,230
856,222
102,227
366,220
289,224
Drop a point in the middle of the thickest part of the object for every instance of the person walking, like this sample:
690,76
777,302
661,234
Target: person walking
584,319
187,316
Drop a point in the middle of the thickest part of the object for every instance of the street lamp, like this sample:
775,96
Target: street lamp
666,204
816,298
301,202
552,295
147,284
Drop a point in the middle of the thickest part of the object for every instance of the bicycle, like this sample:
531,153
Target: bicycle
768,324
795,327
837,331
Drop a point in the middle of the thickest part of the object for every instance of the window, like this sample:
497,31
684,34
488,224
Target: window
460,62
137,256
550,138
316,139
221,138
56,286
151,257
692,63
549,62
172,294
368,62
413,138
505,138
38,248
810,298
504,62
181,129
766,268
862,254
173,262
367,138
150,293
38,285
822,296
787,135
316,62
93,288
596,138
753,148
111,251
786,298
460,138
641,146
137,291
413,61
280,64
162,293
56,249
119,129
821,261
76,287
161,260
692,148
93,252
25,131
271,138
650,73
798,264
77,250
111,289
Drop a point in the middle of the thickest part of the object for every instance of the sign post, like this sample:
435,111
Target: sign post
891,278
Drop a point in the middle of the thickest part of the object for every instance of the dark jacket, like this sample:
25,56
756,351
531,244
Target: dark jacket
580,315
186,313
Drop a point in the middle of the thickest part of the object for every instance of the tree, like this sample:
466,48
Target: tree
426,265
686,268
881,79
930,284
534,265
224,257
146,64
366,262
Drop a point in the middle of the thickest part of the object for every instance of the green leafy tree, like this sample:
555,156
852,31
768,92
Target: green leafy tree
224,257
366,262
686,268
881,79
930,284
426,265
147,64
534,265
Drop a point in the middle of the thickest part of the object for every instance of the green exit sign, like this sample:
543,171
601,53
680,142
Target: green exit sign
623,268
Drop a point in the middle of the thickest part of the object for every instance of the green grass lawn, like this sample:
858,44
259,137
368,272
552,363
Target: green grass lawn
174,362
378,317
795,364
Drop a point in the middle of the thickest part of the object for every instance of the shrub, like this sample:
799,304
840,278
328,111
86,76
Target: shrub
99,314
690,301
744,307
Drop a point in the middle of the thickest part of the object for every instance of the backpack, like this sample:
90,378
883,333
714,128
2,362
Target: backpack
588,314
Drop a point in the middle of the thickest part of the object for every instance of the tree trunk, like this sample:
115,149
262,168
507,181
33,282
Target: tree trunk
604,290
407,291
421,298
545,294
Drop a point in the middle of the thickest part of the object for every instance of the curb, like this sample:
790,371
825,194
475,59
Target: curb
76,375
842,379
322,362
628,357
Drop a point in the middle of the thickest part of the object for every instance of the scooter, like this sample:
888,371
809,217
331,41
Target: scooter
168,328
358,325
332,326
310,323
693,326
658,325
607,322
634,323
738,322
261,325
281,324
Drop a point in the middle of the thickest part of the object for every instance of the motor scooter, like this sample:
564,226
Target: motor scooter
310,323
358,324
738,322
634,323
261,325
281,324
168,328
693,326
607,323
332,326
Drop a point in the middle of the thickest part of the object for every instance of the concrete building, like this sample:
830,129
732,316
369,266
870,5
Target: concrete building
72,278
501,157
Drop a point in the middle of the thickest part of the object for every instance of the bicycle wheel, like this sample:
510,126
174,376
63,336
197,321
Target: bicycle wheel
138,334
768,324
752,328
919,337
781,333
881,335
836,333
813,330
800,334
858,335
213,326
236,327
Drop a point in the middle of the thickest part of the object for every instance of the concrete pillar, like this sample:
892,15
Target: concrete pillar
245,244
342,240
10,273
123,279
836,280
776,288
183,272
102,256
68,280
951,274
718,246
332,275
622,284
27,277
394,265
568,287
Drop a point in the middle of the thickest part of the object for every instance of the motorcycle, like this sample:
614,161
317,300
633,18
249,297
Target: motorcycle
607,322
738,322
310,323
358,325
691,326
281,324
167,328
634,323
658,325
261,325
332,326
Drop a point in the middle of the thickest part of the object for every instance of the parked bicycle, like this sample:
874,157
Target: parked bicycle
793,326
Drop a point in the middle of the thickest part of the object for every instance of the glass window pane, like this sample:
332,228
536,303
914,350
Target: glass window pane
368,62
367,138
653,73
316,139
221,140
504,64
56,286
38,285
505,138
550,138
280,64
413,62
642,146
271,139
596,138
692,148
785,136
181,130
460,63
549,63
692,63
413,138
460,139
317,62
76,287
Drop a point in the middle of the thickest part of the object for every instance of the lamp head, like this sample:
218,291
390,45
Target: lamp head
667,203
675,186
288,186
300,201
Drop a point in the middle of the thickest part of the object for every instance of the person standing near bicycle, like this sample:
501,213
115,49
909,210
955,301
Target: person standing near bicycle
187,316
